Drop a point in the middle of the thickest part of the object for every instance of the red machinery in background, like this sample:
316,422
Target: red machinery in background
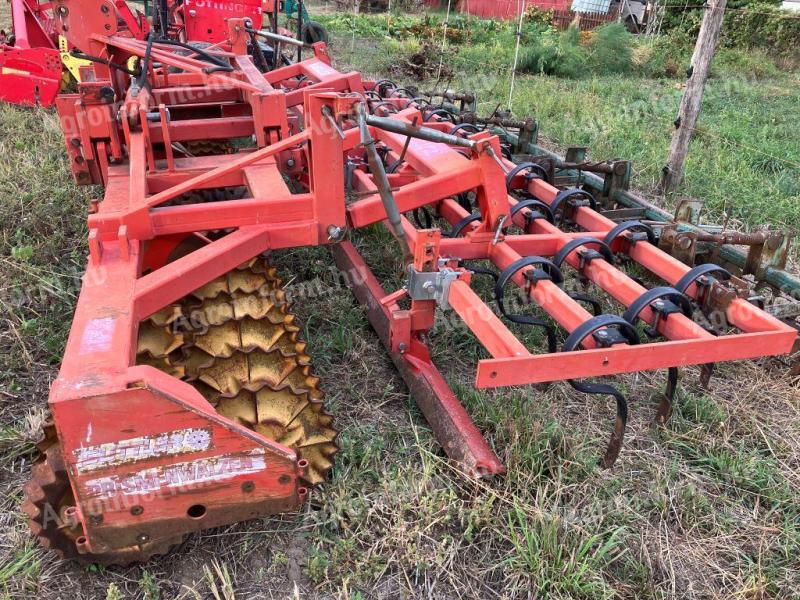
203,21
32,61
186,398
35,66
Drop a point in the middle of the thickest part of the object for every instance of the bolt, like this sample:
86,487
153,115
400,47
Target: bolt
95,519
335,233
104,9
142,538
658,304
284,479
402,347
429,287
137,510
193,13
602,333
75,142
290,163
248,486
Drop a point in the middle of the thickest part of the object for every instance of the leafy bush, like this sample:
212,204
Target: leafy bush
538,16
748,24
763,26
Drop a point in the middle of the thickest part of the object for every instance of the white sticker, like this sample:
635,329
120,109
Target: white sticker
185,476
97,336
113,454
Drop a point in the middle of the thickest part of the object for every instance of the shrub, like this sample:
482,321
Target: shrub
763,26
554,53
748,24
667,56
610,50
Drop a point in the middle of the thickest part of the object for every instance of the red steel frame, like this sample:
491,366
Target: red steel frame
101,397
30,70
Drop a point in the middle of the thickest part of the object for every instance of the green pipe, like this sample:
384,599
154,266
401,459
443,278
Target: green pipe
786,282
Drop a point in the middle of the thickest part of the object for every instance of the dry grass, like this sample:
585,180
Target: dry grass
705,507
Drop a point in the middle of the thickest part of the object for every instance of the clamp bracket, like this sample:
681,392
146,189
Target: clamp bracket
431,285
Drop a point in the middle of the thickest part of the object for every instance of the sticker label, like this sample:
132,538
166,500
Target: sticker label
114,454
179,477
97,336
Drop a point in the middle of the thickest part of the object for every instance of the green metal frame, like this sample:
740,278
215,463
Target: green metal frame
779,278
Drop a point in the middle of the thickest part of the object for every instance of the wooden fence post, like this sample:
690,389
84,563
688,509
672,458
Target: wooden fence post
693,95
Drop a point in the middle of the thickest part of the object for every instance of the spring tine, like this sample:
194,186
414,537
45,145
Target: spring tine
620,423
617,436
597,308
706,371
478,270
665,405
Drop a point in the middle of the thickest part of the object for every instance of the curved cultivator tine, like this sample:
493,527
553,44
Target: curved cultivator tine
665,405
620,422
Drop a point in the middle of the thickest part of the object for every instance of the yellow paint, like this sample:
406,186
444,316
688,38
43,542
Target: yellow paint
72,63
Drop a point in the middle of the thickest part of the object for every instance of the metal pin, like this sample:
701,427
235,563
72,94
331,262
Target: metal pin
326,110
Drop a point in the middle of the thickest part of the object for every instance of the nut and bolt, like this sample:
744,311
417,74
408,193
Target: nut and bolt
142,538
336,233
248,486
95,519
137,510
290,163
402,347
429,287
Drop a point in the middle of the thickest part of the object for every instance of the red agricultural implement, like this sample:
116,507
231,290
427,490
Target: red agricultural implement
35,65
32,59
186,398
30,63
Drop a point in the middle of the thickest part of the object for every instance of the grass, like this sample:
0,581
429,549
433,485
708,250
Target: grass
745,158
705,507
